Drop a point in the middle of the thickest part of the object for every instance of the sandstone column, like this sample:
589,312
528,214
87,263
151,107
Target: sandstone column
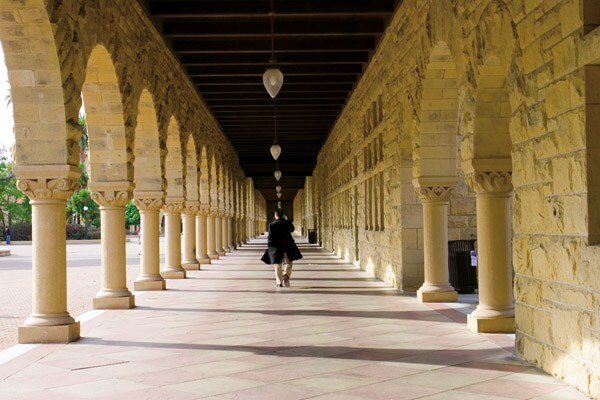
189,261
435,197
48,188
211,231
219,233
495,312
201,236
149,204
225,232
233,228
230,232
173,268
112,198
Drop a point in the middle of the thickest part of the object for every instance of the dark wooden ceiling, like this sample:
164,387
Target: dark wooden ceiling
321,47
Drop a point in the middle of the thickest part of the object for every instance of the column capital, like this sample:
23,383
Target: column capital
111,194
47,182
147,200
204,210
434,189
490,182
489,176
191,207
174,205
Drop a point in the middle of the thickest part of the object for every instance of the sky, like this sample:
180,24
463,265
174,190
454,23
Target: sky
7,136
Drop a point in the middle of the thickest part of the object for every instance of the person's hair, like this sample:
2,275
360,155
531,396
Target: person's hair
279,213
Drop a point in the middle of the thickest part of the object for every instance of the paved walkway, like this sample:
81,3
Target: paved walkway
227,332
83,282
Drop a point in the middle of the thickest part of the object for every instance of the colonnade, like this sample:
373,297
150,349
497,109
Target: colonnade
492,184
194,235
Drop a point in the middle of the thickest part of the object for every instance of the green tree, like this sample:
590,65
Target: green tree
76,204
14,205
132,214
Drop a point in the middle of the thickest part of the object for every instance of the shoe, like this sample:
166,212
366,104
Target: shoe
279,285
286,281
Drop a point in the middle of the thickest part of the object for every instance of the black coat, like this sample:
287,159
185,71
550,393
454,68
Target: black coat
280,241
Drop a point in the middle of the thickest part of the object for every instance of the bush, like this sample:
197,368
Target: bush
19,231
94,234
75,231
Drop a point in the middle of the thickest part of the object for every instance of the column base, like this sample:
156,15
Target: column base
491,325
437,296
191,266
203,260
141,286
213,256
173,274
49,334
114,303
221,253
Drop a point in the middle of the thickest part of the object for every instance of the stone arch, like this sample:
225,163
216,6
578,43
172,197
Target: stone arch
205,194
42,134
213,182
221,184
109,147
147,162
191,170
490,137
174,163
434,140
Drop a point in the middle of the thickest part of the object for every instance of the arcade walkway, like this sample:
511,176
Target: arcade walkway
226,332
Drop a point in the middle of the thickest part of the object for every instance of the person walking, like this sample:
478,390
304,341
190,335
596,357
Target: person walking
281,247
7,232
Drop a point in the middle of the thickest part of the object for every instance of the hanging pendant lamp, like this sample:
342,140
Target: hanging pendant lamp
273,77
273,80
278,188
278,195
275,148
277,174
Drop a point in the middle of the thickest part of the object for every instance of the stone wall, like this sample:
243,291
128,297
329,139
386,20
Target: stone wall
481,81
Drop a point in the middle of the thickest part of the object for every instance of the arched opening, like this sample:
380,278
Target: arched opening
204,179
191,171
592,127
174,163
108,144
488,168
147,163
435,176
148,193
591,15
7,122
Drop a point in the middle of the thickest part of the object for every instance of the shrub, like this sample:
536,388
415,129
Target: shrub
20,231
94,234
75,231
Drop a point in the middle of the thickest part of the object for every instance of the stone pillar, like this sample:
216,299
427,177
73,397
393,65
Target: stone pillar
112,198
173,268
496,311
219,234
48,188
211,230
149,204
435,197
189,261
233,232
230,232
201,236
225,233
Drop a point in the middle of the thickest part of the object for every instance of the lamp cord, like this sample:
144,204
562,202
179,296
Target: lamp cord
275,118
272,16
